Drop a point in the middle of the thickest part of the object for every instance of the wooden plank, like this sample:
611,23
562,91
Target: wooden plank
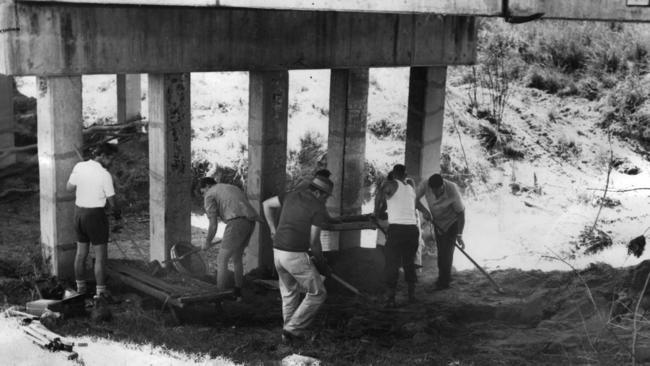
146,288
64,39
206,296
143,277
455,7
347,226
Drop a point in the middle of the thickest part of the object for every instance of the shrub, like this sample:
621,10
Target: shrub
384,128
310,157
589,87
548,80
567,148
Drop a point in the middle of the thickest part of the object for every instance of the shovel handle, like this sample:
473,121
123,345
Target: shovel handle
344,283
496,285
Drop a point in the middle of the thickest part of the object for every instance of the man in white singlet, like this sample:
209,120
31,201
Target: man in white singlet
397,198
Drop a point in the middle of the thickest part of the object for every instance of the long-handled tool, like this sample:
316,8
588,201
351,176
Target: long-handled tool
325,270
496,285
346,284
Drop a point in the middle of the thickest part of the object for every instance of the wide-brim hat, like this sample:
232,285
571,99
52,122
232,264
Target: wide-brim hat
322,184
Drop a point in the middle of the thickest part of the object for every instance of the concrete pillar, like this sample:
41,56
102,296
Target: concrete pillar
128,97
346,150
267,154
426,111
170,173
60,126
7,119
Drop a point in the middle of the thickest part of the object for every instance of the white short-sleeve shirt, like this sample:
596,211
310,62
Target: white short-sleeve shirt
94,184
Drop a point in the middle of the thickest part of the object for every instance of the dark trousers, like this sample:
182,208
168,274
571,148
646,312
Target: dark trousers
401,247
446,242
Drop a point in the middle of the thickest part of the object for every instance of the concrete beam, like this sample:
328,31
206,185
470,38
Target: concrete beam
346,148
170,173
424,121
7,124
129,97
60,127
61,39
267,154
605,10
454,7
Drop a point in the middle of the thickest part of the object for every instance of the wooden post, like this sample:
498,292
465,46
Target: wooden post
128,97
346,150
7,124
267,154
170,173
59,134
426,112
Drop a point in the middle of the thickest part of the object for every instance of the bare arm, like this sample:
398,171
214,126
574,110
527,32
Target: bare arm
461,226
314,242
269,206
70,187
212,231
419,206
386,191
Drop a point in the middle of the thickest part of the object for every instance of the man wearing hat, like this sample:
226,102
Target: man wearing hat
297,233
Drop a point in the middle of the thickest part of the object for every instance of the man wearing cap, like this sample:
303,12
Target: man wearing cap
447,213
396,196
297,233
228,203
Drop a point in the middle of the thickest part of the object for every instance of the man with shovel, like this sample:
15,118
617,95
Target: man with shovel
301,217
395,197
447,213
229,204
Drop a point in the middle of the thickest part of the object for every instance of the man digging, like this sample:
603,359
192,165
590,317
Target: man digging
229,204
397,197
301,217
447,213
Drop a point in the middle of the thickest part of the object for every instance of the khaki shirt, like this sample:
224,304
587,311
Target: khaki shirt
444,209
227,202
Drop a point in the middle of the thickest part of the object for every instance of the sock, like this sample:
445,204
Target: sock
100,290
81,287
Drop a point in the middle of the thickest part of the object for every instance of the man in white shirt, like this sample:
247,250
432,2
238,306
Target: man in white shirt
447,214
397,198
93,187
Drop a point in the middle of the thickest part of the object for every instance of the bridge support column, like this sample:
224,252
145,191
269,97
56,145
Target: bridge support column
7,119
60,132
128,97
170,173
267,154
426,112
346,150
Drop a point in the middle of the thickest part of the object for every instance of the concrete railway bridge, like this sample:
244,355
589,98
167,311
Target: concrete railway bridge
58,41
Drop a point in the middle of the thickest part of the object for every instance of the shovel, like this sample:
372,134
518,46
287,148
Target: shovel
496,285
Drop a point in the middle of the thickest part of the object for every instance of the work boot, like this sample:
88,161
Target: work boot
411,291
